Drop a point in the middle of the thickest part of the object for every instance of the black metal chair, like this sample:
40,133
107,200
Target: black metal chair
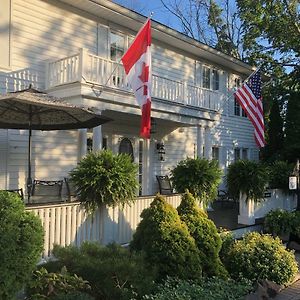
47,190
71,189
164,184
17,191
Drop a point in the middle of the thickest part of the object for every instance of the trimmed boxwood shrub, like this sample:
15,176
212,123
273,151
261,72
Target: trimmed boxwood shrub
259,256
112,271
105,178
208,289
200,176
205,233
166,241
21,244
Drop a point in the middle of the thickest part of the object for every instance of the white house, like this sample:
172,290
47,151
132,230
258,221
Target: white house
69,48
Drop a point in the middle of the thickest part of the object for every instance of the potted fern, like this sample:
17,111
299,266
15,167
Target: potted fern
246,180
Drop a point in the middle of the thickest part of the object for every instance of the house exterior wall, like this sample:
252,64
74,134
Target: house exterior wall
48,30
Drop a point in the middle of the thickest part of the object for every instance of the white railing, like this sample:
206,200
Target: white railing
85,67
67,223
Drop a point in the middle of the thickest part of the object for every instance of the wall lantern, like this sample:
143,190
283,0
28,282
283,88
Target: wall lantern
160,147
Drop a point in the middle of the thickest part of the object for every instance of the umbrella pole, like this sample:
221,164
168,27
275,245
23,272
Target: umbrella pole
29,179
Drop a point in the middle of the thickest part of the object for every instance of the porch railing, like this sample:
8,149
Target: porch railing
67,223
86,67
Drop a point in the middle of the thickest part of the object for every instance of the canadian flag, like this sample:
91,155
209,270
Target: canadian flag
137,65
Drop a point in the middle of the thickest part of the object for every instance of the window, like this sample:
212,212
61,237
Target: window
206,78
210,78
89,142
215,153
126,147
238,110
237,154
117,46
244,153
215,80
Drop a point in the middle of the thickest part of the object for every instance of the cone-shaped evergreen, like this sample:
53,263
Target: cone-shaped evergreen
166,241
205,233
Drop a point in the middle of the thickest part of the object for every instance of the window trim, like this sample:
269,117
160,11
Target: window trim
212,80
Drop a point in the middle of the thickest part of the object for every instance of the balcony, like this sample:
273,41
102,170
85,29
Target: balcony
84,67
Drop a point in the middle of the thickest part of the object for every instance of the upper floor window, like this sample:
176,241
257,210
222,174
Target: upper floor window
117,46
238,110
210,78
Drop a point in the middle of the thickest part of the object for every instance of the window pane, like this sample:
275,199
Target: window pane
116,46
237,108
206,78
245,153
216,80
215,153
237,155
243,113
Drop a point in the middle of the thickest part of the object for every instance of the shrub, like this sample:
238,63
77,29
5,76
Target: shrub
112,271
74,296
205,233
295,223
259,256
200,176
227,242
46,285
104,178
208,289
279,173
278,222
166,241
21,244
248,177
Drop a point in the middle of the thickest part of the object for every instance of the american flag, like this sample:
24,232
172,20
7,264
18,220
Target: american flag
249,97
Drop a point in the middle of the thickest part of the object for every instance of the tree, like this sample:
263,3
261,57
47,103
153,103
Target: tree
292,128
214,24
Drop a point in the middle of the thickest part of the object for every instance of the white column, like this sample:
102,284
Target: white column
200,140
97,138
208,143
82,147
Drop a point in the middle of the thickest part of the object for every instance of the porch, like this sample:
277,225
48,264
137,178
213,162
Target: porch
68,223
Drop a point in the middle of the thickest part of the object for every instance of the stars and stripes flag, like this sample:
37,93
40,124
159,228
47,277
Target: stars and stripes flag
137,65
250,98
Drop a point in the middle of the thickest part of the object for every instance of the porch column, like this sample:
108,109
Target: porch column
200,140
208,143
97,138
82,147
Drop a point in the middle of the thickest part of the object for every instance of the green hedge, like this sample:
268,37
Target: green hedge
205,233
166,241
21,244
259,256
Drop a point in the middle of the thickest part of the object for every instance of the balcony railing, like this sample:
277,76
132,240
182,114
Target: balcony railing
86,67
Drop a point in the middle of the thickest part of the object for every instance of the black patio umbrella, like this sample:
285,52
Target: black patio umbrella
34,110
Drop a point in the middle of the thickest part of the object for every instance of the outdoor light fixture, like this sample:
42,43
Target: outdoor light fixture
160,147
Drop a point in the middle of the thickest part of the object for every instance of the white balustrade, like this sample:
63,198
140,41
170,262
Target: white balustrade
86,67
68,223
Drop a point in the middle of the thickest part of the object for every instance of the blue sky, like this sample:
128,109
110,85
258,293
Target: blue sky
160,14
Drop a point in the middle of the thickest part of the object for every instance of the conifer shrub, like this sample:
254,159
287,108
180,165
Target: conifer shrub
21,244
205,233
258,256
166,241
103,178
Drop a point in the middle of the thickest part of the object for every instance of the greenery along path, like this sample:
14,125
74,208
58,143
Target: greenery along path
293,291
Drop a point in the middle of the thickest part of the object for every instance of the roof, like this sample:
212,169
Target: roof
118,14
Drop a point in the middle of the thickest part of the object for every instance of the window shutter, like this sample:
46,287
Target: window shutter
198,75
103,42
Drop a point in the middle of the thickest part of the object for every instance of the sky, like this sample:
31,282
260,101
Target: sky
160,14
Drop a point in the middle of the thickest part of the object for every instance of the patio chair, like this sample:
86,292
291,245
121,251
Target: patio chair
164,184
47,191
71,189
225,199
19,192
